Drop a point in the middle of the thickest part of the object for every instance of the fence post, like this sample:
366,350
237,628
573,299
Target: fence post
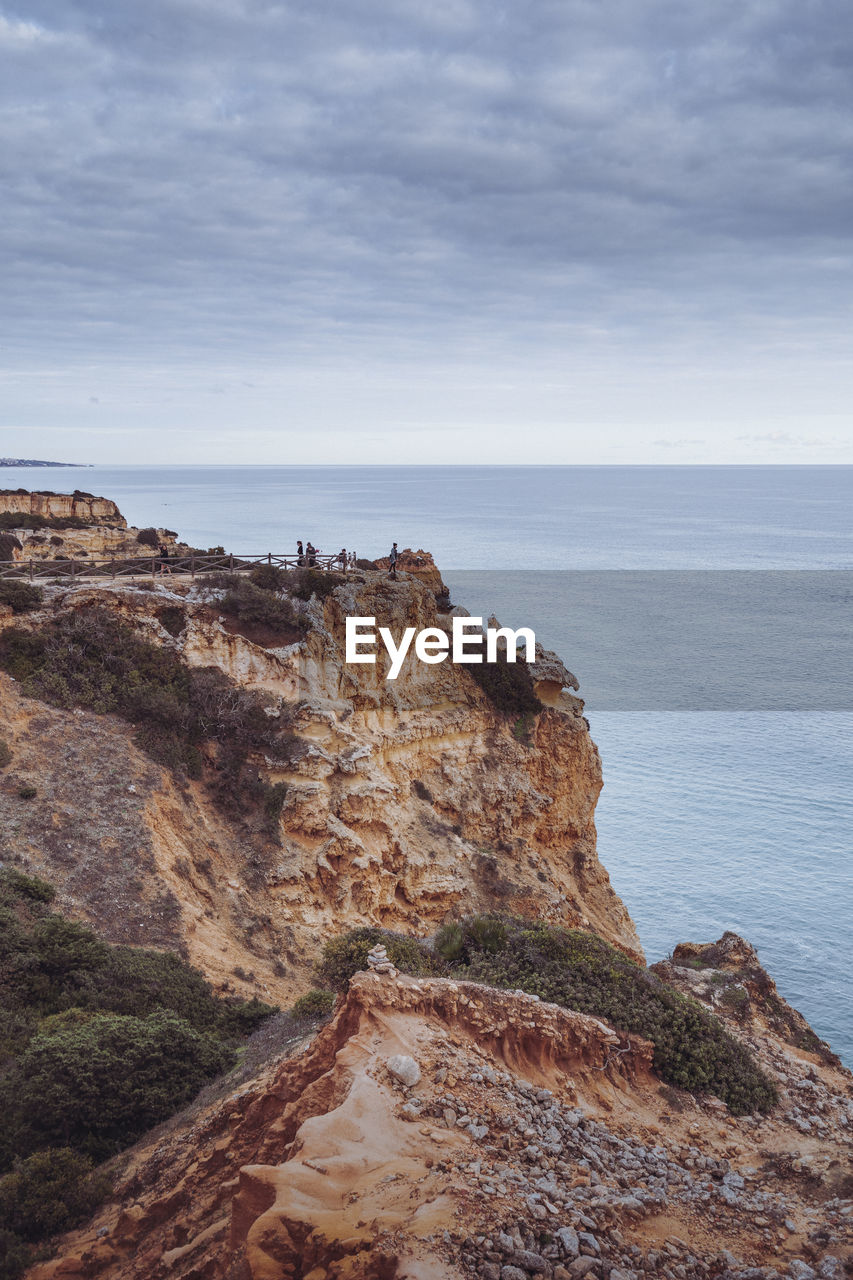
31,570
73,569
192,566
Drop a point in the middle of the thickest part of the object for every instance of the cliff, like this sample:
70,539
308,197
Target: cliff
62,506
434,1127
439,1129
405,802
62,526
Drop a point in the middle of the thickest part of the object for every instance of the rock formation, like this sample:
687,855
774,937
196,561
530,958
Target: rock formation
433,1128
407,801
73,525
437,1130
63,506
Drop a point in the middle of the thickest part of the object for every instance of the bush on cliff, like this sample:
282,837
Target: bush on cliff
97,1042
97,1084
92,659
22,597
314,1004
258,605
315,582
581,971
49,1192
347,954
24,520
507,685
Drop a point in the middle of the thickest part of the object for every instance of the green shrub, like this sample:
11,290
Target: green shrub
148,538
347,954
50,1192
581,971
316,582
25,886
21,652
27,792
25,520
172,619
258,606
9,544
365,564
95,661
99,1084
22,597
5,753
268,577
509,688
314,1004
15,1255
53,965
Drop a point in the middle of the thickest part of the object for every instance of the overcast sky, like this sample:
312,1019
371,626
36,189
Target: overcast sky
426,230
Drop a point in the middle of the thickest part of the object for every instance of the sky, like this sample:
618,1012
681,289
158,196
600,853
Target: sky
591,231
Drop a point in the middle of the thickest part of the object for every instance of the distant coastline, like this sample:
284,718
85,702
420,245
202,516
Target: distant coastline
39,462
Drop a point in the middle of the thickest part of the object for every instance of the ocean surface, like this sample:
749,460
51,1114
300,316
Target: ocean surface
714,817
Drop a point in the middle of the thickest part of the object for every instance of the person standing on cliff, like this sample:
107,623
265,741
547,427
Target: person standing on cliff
164,559
300,553
392,561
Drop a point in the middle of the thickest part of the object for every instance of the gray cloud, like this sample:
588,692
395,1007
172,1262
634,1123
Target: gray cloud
199,181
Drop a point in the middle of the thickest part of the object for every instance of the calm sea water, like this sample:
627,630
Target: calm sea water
709,820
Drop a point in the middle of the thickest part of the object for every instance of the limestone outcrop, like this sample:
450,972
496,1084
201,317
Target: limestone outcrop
434,1129
407,801
76,526
62,506
529,1141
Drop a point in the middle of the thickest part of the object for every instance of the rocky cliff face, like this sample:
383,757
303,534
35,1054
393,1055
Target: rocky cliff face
433,1128
438,1129
63,506
81,527
406,801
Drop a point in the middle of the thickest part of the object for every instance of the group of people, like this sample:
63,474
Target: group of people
306,556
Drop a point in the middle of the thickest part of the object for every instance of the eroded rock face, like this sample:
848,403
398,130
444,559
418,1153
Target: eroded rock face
728,976
532,1140
63,506
407,801
106,535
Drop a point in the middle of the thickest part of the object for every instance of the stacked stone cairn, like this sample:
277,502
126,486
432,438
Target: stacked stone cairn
378,962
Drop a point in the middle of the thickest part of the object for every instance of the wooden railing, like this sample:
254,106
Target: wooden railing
195,563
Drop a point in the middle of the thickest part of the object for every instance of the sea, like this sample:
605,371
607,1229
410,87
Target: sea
728,764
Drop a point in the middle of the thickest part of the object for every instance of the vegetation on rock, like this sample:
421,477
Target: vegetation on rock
22,597
347,954
508,686
315,582
192,721
24,520
314,1004
580,971
97,1043
254,600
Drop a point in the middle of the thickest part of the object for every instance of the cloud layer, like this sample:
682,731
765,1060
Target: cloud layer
565,189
